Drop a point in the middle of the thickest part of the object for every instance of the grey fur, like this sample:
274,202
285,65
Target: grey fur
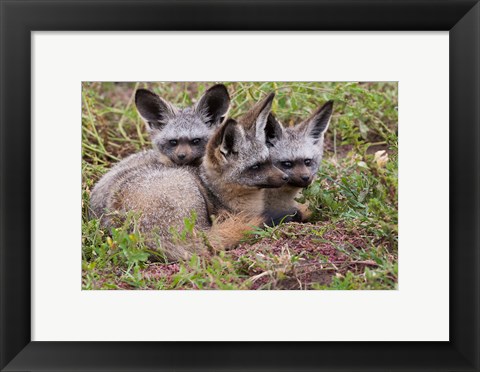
295,145
109,184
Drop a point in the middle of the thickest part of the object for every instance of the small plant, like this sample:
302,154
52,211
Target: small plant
187,230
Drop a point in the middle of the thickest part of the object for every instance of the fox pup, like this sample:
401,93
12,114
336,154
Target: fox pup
179,136
234,171
298,152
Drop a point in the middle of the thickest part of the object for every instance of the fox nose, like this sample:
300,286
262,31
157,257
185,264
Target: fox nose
305,178
181,156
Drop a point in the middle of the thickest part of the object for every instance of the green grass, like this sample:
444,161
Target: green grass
351,241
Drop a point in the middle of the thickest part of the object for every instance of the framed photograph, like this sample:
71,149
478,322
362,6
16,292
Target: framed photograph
239,185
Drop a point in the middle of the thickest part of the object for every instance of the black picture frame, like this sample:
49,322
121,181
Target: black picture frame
18,18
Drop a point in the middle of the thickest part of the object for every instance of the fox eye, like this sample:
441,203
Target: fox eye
173,142
196,141
256,166
286,164
308,161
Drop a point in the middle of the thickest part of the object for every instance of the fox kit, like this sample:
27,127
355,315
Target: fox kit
179,136
297,151
235,170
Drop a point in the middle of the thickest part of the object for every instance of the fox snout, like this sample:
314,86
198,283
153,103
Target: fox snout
300,179
183,155
276,178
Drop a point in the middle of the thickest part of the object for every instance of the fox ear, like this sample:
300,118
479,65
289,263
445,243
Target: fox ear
259,116
273,130
230,138
317,124
153,109
214,104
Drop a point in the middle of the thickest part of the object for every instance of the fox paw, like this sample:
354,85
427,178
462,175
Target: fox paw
275,219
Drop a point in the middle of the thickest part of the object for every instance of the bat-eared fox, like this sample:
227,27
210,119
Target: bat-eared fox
297,151
230,181
179,136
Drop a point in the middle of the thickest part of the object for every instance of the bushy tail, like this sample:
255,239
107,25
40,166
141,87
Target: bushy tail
226,232
229,229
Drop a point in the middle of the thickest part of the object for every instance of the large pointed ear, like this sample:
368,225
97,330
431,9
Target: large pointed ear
317,124
153,109
255,120
214,104
273,130
230,138
264,107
